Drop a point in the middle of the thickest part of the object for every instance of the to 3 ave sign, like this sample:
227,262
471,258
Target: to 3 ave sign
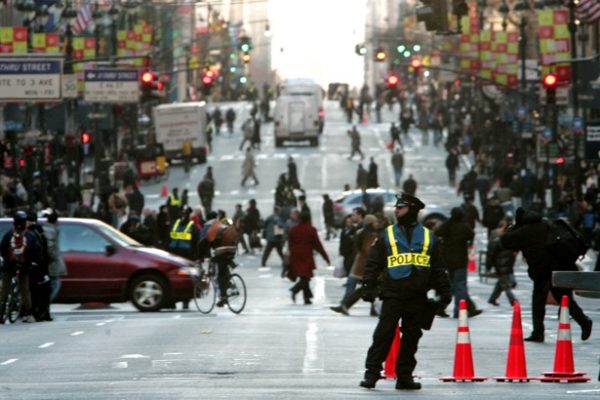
23,80
111,86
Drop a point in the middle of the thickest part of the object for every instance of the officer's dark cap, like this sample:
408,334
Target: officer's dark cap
407,200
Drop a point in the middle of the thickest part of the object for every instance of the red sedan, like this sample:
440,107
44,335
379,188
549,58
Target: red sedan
105,265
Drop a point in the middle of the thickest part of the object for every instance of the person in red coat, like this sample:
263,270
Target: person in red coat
303,239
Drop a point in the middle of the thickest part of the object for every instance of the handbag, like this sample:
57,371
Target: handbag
339,271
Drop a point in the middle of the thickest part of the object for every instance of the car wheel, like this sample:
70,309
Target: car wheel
148,292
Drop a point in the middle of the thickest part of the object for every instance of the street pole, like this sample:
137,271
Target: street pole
523,85
574,91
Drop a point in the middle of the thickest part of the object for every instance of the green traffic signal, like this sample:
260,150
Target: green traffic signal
401,48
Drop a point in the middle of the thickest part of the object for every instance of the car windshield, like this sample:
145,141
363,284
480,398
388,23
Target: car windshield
118,236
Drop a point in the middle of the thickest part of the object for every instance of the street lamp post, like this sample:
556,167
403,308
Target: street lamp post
521,8
574,90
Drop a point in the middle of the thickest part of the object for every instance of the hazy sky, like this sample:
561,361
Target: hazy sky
318,39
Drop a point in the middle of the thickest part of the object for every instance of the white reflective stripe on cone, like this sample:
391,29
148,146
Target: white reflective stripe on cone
463,338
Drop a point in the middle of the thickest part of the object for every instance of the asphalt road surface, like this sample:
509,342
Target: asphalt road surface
276,349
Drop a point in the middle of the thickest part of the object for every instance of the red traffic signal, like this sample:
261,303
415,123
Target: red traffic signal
392,80
559,160
207,80
85,138
21,163
415,63
148,77
550,81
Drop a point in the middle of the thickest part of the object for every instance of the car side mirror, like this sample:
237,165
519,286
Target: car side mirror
110,249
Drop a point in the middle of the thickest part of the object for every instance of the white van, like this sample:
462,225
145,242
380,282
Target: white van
177,123
306,87
296,118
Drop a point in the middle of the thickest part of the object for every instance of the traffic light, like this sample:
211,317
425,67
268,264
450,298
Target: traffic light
245,44
22,163
550,81
151,85
208,80
416,65
85,137
380,54
434,13
401,48
360,49
246,58
392,81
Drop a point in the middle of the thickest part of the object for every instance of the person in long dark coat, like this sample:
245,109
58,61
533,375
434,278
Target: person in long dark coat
372,180
293,173
456,236
303,240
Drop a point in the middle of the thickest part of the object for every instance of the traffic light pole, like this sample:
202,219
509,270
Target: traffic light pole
575,92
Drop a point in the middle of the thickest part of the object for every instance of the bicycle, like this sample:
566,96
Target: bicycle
11,307
205,290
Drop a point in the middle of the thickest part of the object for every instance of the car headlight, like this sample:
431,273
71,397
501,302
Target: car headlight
188,271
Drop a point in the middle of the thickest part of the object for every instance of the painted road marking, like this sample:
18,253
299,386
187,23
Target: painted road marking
77,333
120,365
265,276
311,353
48,344
9,361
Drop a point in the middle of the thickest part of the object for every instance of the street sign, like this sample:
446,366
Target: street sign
578,126
30,80
111,86
69,86
562,96
592,141
589,84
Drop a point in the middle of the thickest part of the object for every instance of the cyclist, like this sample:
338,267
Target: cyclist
21,252
219,237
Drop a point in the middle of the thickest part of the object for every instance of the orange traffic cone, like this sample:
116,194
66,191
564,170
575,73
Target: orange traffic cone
516,367
472,267
463,357
164,191
564,366
390,362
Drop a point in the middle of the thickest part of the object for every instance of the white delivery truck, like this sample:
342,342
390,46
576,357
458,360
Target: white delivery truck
296,118
178,123
306,87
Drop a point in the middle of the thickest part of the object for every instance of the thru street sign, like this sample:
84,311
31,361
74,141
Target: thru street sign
30,80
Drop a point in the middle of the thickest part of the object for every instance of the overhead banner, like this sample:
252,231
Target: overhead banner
553,31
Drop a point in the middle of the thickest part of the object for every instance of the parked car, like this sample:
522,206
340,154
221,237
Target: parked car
107,266
431,216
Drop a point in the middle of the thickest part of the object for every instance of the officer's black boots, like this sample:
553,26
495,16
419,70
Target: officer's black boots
407,384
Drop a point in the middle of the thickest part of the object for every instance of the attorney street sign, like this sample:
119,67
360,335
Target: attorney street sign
111,86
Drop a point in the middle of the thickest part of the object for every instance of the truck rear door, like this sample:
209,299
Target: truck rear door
296,117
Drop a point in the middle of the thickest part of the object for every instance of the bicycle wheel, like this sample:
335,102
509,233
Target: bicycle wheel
205,295
4,309
14,305
236,294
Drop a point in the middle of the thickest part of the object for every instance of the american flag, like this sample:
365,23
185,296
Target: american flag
84,18
587,11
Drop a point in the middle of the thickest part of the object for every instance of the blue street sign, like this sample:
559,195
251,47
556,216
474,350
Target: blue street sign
563,119
547,135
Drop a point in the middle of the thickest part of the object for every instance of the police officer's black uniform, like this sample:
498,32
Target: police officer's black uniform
408,258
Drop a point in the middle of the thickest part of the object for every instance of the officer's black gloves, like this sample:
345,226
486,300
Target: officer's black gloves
369,291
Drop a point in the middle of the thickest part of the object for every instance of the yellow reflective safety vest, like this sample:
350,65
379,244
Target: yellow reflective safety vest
403,256
174,201
181,238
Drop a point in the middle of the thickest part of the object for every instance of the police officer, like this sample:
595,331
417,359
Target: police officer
408,258
174,204
184,235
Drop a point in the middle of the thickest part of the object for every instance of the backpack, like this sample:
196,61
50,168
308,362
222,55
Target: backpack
565,243
17,249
